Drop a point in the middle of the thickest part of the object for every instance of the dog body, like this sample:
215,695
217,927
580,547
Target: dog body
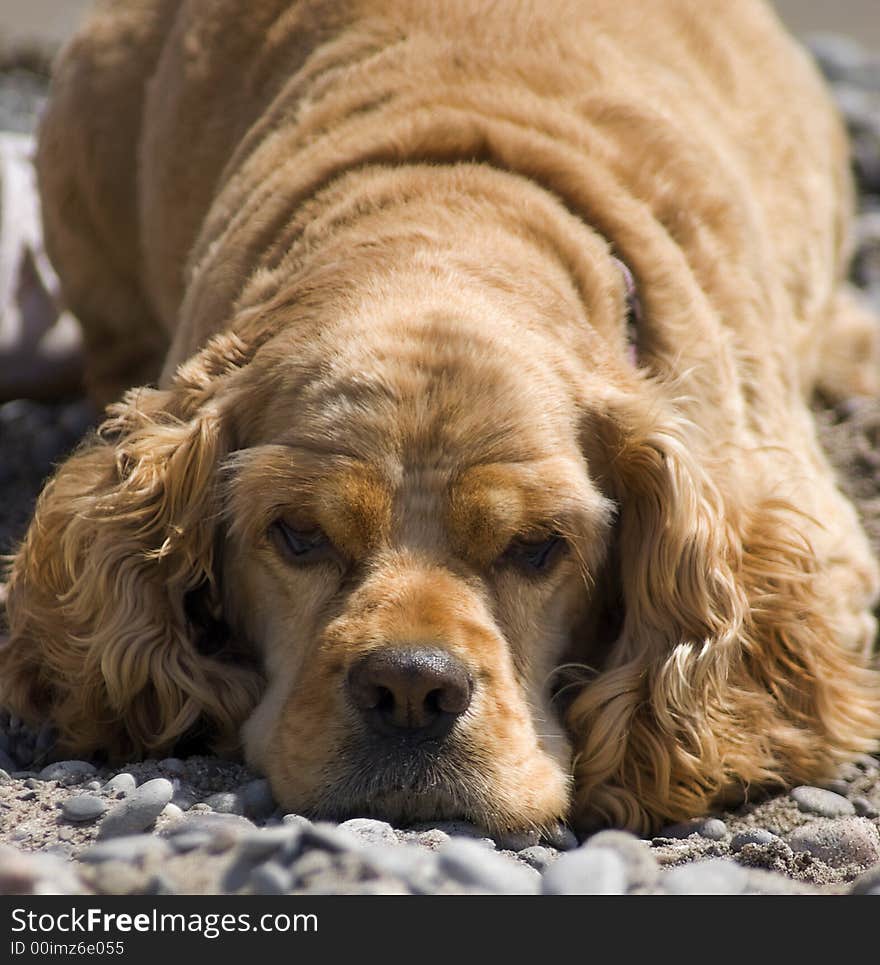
407,457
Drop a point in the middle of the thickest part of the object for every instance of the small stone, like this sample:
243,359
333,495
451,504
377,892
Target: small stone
223,830
329,837
370,830
864,808
867,883
260,844
190,841
838,843
118,878
409,863
93,786
752,836
225,802
516,840
139,810
257,799
4,776
131,848
185,799
460,829
297,819
586,871
82,808
641,865
171,812
472,864
561,837
432,839
816,800
173,766
67,772
712,828
716,876
865,761
538,857
123,783
837,786
270,879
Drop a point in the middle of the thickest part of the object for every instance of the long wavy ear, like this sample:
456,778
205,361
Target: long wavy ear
103,639
730,669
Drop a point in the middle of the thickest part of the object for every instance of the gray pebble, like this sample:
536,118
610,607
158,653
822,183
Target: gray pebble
184,799
260,844
867,883
864,808
257,799
223,830
716,876
586,871
139,810
189,841
539,857
752,836
131,848
866,761
838,843
837,786
472,864
328,837
460,829
171,812
561,837
370,830
297,819
405,862
516,840
270,879
123,783
712,828
816,800
93,786
4,776
641,865
83,807
67,772
225,802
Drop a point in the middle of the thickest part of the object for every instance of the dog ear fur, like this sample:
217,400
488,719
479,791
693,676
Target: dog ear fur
726,673
100,638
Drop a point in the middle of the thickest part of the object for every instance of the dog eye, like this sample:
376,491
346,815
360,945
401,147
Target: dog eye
536,556
300,545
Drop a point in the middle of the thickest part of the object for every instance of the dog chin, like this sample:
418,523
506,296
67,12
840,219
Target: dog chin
420,788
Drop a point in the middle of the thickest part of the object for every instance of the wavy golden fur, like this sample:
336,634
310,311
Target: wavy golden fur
370,250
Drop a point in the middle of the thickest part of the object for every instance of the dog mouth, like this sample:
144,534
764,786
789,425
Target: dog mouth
406,784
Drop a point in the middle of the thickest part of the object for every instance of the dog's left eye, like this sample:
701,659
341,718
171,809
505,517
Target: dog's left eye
300,545
536,556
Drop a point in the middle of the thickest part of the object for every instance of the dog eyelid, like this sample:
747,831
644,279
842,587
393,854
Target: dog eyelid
535,554
301,546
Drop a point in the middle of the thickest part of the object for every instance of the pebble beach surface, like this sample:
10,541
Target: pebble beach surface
203,825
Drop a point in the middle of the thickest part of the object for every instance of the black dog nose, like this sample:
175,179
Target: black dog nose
412,692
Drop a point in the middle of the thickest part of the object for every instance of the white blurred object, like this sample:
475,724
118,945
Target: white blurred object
40,343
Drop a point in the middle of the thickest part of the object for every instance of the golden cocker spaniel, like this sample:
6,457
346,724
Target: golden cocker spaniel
475,343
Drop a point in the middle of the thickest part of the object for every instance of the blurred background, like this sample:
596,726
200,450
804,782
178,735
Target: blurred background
53,20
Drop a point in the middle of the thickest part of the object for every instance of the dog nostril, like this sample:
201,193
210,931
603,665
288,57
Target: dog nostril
410,692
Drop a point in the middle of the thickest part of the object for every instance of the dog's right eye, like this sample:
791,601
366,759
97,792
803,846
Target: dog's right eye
300,545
